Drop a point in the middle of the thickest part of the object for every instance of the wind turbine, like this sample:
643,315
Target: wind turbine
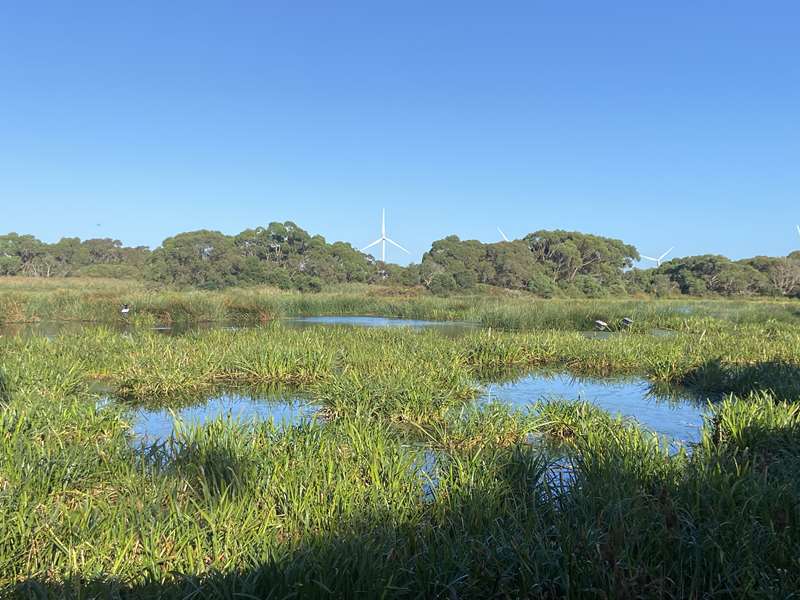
505,238
660,259
383,239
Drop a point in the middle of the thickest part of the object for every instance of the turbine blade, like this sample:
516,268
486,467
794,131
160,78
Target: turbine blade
665,253
393,243
375,243
505,238
383,222
649,258
798,230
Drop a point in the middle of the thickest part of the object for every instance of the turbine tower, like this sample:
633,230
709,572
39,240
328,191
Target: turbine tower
383,239
660,259
505,238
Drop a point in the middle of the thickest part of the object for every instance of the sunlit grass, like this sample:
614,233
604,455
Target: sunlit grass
406,488
29,300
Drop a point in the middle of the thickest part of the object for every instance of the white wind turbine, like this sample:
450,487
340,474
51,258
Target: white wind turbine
505,237
383,239
660,259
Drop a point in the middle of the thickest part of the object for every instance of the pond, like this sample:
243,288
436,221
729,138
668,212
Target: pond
677,415
156,425
674,413
51,329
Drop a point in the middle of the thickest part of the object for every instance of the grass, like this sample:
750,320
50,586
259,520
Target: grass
407,489
86,300
253,510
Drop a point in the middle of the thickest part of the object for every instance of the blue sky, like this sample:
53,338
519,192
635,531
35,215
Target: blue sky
669,123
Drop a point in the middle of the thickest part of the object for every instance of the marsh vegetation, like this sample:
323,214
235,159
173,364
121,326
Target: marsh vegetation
408,475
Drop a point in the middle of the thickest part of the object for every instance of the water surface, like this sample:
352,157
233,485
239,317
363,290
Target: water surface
152,425
679,415
51,329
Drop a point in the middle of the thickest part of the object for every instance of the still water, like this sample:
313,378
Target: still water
678,416
51,329
155,425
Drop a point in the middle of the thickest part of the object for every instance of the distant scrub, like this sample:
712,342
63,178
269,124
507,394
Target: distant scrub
547,264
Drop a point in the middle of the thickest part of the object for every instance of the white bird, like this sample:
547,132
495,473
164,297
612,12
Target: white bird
659,259
383,239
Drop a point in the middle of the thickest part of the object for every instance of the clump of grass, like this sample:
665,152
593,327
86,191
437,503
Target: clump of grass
779,378
344,508
759,423
5,389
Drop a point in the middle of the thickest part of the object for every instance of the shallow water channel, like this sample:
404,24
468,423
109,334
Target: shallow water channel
51,329
678,415
451,328
156,425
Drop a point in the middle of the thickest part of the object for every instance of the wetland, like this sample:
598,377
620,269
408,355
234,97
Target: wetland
512,456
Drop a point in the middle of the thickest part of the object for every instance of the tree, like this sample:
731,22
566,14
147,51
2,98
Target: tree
785,276
567,254
205,259
442,283
699,275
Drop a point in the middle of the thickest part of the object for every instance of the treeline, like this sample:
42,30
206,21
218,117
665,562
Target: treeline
282,254
545,263
28,256
564,263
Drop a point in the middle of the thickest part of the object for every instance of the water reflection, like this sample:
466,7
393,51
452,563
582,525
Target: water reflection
155,424
671,412
51,329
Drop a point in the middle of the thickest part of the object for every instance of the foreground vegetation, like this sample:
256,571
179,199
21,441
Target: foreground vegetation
341,509
401,487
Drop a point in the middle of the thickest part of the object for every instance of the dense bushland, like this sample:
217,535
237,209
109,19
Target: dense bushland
545,263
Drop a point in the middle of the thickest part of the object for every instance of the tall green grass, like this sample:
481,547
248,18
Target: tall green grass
396,372
93,302
232,509
407,490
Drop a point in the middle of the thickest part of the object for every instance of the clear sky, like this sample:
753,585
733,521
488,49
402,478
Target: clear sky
661,123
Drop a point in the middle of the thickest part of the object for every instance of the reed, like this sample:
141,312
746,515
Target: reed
99,302
406,488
